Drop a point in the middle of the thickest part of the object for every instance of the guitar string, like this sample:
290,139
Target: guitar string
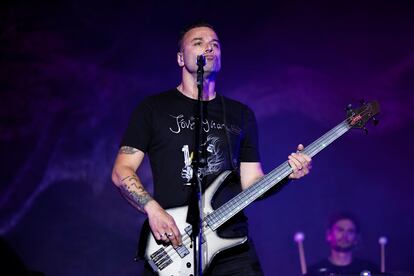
312,150
168,251
285,169
269,177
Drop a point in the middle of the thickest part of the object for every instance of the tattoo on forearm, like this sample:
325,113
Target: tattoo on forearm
127,150
134,192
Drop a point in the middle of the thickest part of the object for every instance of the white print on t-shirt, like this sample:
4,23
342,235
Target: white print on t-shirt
187,171
182,123
215,159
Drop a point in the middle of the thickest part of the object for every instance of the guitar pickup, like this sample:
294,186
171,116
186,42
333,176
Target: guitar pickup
182,251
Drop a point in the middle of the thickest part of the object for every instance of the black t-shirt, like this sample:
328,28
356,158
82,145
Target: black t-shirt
325,267
162,126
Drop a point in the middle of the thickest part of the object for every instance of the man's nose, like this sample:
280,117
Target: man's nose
209,48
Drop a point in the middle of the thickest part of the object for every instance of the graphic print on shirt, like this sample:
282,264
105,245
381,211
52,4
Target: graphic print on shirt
187,171
215,155
215,159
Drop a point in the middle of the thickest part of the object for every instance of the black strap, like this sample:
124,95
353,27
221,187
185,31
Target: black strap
229,146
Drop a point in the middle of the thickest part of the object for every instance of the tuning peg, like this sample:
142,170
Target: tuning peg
365,130
375,121
348,107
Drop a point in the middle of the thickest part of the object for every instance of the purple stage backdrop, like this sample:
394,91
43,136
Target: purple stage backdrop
72,72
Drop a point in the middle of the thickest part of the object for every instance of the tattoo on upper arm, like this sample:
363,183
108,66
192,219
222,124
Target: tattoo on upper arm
127,150
131,179
135,192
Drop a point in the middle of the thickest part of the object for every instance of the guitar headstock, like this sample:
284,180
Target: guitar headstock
357,118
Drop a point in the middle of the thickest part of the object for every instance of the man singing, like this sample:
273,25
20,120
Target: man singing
162,126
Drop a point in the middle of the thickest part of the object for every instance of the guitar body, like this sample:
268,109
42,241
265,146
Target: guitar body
166,260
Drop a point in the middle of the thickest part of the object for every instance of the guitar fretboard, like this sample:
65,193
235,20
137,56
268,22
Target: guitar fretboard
242,200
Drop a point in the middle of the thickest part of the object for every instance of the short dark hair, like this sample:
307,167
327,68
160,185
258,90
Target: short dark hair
195,24
344,215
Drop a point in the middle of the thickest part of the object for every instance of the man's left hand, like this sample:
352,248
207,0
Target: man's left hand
300,163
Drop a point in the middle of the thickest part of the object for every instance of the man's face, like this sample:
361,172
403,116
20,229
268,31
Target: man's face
198,41
342,236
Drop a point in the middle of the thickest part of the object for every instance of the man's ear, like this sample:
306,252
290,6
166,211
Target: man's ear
180,59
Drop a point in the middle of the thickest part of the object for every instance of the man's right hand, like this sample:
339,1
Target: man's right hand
162,224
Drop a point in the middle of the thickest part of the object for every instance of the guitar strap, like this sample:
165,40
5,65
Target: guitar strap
233,161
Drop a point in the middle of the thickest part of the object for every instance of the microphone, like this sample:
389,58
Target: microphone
201,60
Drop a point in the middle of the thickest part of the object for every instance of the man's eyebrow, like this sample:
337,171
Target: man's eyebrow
200,38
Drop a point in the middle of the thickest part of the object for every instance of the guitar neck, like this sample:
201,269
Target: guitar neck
242,200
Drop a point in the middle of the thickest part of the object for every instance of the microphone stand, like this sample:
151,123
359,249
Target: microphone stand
194,215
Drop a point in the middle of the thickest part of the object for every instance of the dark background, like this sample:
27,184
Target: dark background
71,73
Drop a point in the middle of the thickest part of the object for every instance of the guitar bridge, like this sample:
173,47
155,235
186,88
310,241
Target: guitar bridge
159,260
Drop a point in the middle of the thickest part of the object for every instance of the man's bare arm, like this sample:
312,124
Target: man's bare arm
134,192
123,175
250,172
